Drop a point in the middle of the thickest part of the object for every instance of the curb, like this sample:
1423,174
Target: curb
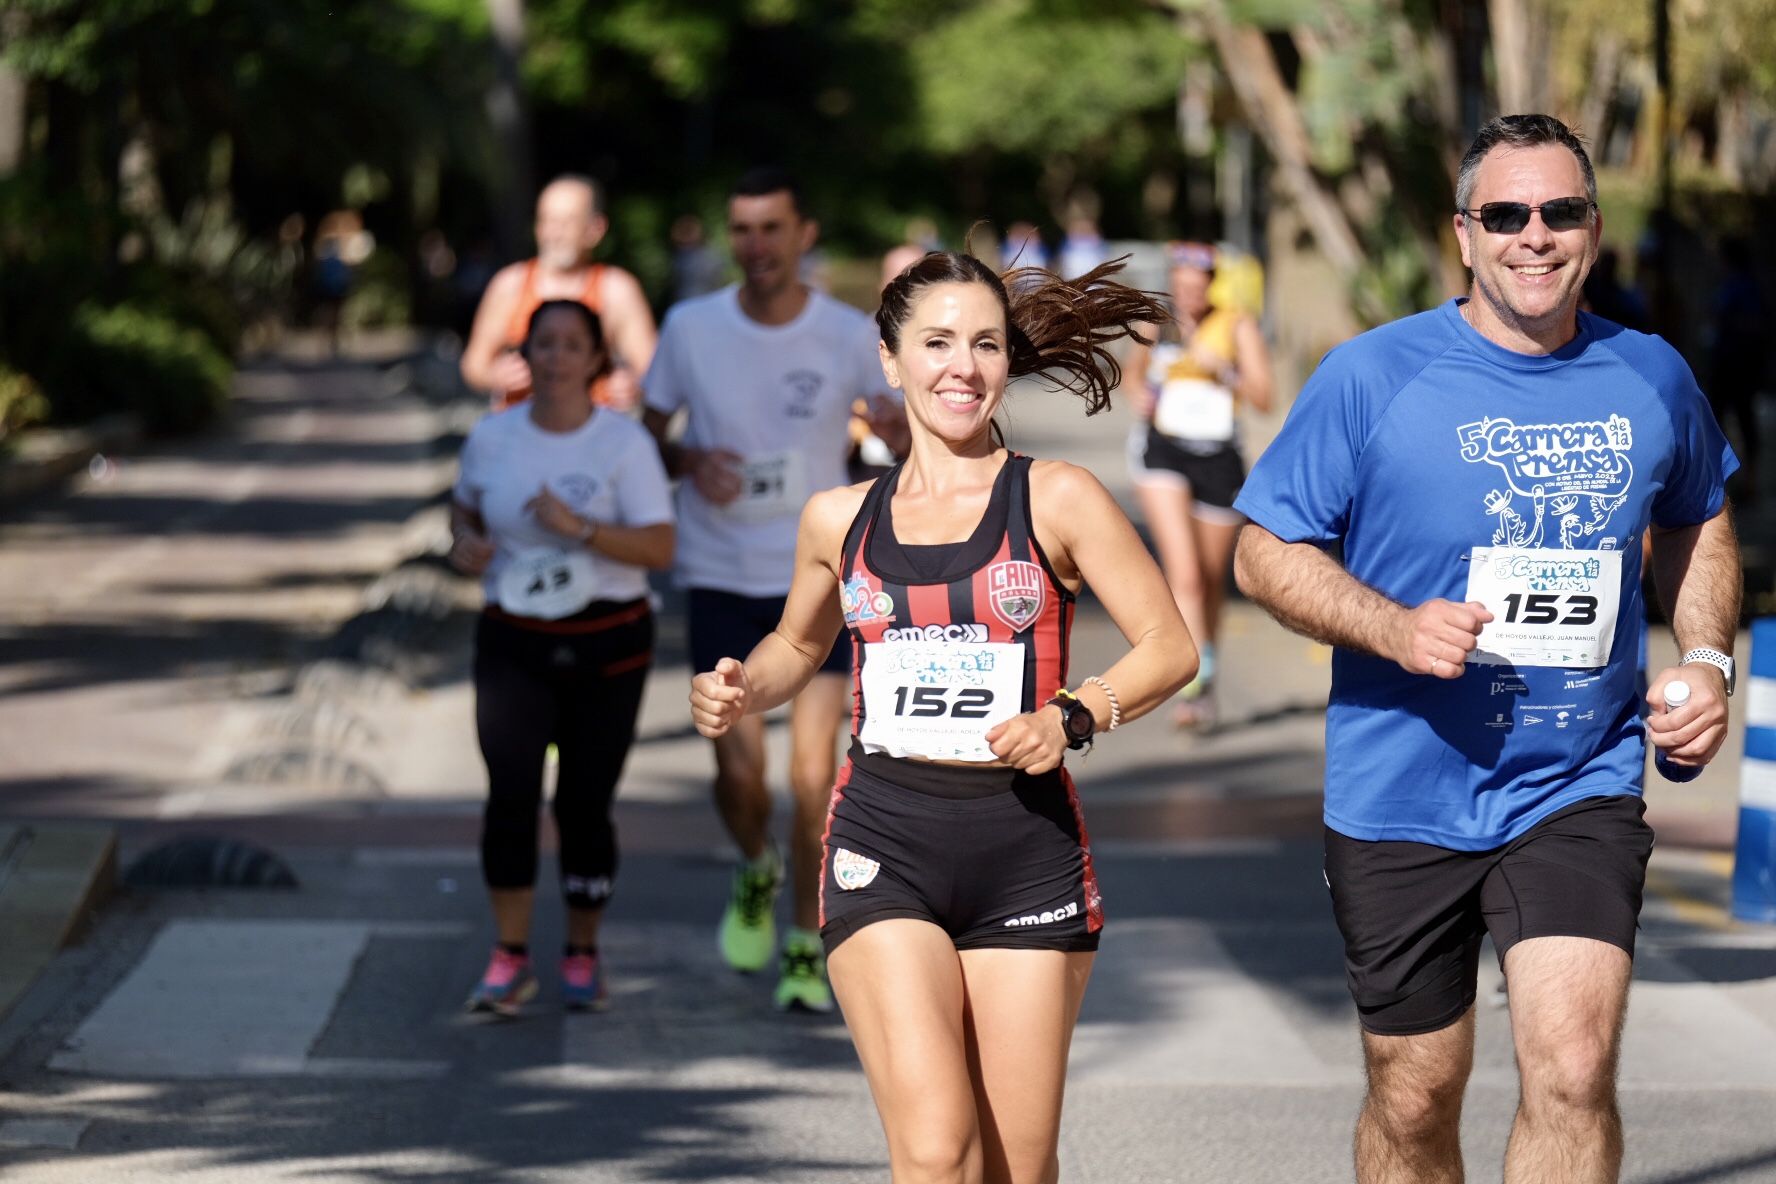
45,457
53,877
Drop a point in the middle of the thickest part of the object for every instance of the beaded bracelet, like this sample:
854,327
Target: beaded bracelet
1115,707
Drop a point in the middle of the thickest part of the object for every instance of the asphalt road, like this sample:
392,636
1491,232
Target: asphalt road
232,637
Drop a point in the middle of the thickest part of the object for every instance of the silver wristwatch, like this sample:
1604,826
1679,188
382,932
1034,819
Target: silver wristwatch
1720,661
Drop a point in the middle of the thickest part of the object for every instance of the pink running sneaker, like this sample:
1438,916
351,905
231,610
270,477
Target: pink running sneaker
506,985
582,983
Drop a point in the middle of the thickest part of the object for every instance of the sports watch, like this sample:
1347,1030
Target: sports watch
1722,662
1076,719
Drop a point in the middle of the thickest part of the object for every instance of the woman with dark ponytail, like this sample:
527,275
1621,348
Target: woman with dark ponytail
959,907
562,508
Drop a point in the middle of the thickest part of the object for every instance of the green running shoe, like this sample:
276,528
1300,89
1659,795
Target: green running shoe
803,986
748,931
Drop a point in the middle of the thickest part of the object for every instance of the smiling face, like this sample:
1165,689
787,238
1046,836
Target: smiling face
953,361
562,355
769,238
1527,285
568,225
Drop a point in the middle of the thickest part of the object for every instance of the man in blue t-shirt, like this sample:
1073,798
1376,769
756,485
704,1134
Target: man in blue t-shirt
1489,468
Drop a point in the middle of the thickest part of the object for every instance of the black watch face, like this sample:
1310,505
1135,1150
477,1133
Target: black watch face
1079,723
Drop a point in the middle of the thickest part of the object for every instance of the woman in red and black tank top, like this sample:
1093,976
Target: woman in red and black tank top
994,588
959,905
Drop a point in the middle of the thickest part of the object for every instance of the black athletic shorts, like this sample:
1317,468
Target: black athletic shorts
992,856
1413,915
1214,477
726,625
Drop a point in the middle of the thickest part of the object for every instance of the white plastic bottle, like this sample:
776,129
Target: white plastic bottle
1677,694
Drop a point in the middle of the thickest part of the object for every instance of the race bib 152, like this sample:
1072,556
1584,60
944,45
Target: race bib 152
939,699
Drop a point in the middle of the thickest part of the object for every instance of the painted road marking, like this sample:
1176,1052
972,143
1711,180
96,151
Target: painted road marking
1169,1005
245,998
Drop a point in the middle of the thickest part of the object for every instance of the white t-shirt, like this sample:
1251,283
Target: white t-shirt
778,395
608,470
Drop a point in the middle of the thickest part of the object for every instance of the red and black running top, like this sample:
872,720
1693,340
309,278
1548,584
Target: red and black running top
996,586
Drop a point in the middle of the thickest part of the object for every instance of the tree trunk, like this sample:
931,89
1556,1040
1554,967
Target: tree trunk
1520,40
1272,112
514,185
12,121
12,101
1606,70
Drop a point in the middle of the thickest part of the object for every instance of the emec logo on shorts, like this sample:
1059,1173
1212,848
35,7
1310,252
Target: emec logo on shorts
853,871
1045,917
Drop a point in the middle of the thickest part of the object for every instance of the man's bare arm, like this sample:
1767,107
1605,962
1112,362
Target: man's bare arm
629,321
487,336
714,471
1696,569
1308,592
679,460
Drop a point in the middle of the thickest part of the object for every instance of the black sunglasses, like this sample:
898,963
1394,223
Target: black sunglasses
1508,217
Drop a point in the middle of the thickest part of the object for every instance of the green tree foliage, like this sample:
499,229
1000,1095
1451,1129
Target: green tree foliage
1723,80
133,358
181,135
301,90
1357,102
996,108
1023,77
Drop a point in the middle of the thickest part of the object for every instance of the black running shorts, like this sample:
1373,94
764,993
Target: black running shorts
1413,915
993,857
727,625
1214,477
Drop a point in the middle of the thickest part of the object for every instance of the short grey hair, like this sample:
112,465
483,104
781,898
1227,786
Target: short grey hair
593,189
1520,131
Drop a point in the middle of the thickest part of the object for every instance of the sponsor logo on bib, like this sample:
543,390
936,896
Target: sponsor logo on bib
863,602
853,871
1015,592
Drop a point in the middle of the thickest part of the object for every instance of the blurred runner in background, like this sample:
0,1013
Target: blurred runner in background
1184,452
766,372
570,223
561,508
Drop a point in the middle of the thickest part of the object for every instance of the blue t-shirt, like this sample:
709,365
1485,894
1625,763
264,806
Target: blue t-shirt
1419,440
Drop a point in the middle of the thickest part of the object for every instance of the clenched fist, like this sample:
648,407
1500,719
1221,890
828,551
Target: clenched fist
1437,637
718,698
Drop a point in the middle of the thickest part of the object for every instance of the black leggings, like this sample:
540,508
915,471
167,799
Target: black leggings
581,691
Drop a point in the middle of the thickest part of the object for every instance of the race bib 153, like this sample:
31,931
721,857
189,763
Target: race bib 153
1550,607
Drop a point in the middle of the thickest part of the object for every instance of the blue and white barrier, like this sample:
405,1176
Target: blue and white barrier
1754,859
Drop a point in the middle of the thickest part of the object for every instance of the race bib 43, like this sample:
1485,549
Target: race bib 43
547,583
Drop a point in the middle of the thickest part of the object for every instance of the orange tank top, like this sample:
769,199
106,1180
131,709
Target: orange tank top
591,295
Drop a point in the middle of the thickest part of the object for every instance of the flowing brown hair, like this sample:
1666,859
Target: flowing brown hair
1057,327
